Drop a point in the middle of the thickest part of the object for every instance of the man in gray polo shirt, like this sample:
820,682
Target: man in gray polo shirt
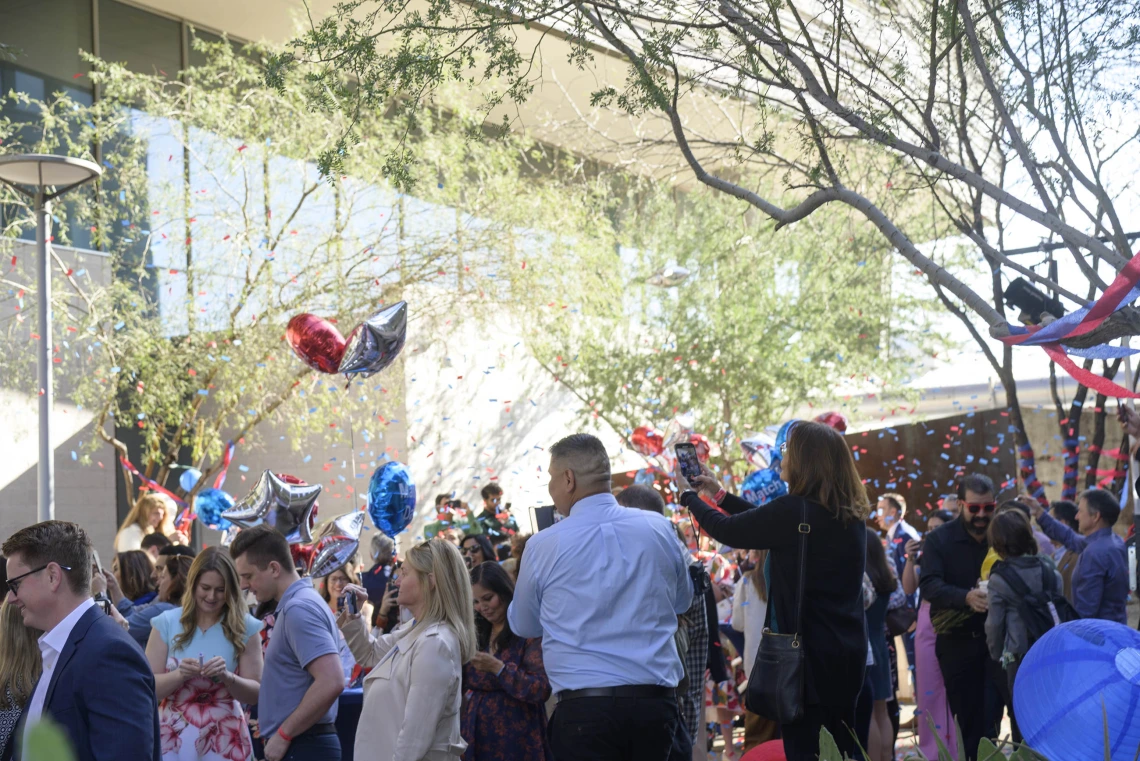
302,677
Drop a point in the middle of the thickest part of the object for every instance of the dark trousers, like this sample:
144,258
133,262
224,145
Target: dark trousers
617,729
864,707
971,690
801,738
314,748
1003,678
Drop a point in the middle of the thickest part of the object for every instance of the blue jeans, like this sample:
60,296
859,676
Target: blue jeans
314,748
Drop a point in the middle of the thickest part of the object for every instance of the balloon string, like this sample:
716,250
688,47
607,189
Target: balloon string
352,442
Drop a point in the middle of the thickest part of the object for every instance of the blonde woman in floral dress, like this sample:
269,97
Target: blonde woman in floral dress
207,661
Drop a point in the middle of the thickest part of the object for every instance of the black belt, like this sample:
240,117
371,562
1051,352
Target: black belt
625,691
328,728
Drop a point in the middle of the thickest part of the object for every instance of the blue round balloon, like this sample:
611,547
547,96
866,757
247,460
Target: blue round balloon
391,498
209,504
1074,677
189,479
763,486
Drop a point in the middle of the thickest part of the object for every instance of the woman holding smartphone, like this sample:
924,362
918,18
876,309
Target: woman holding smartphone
826,493
332,589
412,694
206,658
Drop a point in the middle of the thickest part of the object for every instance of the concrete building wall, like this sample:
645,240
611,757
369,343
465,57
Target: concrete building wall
85,493
480,410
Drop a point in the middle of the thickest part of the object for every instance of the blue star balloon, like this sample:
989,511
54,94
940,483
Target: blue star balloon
763,486
209,505
391,498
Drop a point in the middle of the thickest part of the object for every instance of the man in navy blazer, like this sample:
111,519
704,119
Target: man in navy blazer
96,682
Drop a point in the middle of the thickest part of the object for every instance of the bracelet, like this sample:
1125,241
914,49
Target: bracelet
284,736
720,495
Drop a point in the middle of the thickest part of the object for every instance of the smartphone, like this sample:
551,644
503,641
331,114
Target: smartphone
455,504
687,460
543,517
95,559
347,602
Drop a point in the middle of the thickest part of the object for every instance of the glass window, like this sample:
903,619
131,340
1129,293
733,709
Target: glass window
197,57
46,36
145,42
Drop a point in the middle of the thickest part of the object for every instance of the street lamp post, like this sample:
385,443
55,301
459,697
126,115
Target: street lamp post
43,178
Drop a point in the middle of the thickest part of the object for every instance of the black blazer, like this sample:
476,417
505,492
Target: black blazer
833,627
102,694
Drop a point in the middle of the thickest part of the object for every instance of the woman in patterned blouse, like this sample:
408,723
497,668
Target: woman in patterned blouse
505,688
20,668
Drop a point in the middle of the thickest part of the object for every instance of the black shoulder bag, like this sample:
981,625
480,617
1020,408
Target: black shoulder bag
776,684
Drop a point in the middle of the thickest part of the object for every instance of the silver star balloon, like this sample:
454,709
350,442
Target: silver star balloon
288,507
376,342
332,553
350,524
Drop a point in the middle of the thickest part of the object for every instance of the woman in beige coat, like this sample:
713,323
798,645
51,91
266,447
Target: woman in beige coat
413,693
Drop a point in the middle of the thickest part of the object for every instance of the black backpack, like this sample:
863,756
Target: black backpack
1037,608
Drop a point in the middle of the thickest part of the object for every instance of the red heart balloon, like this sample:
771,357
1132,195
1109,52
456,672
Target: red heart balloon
647,441
701,442
833,419
316,341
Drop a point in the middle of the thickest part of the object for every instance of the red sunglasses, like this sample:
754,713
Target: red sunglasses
981,507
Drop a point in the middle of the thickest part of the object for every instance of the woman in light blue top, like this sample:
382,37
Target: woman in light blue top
206,658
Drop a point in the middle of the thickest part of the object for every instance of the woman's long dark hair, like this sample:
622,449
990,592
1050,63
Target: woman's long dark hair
877,567
135,567
483,543
493,578
819,467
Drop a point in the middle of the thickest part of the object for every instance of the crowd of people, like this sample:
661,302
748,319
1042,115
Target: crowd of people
486,644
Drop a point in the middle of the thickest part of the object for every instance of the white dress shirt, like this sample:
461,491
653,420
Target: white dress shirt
906,528
51,645
603,588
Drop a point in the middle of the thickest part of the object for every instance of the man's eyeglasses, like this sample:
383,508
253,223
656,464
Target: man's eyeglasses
14,582
981,507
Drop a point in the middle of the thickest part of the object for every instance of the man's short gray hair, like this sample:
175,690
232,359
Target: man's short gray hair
382,545
585,455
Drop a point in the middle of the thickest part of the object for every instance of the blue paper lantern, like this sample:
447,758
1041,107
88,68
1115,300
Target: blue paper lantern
209,504
391,498
1070,680
189,479
763,486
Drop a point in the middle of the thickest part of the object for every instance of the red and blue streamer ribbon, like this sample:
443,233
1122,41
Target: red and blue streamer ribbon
151,483
1123,291
226,460
1029,474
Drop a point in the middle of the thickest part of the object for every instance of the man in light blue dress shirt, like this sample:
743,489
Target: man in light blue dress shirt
603,588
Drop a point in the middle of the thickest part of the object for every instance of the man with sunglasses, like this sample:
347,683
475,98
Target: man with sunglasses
96,682
952,560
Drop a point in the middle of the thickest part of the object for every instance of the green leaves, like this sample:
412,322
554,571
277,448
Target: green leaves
767,323
217,227
46,741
